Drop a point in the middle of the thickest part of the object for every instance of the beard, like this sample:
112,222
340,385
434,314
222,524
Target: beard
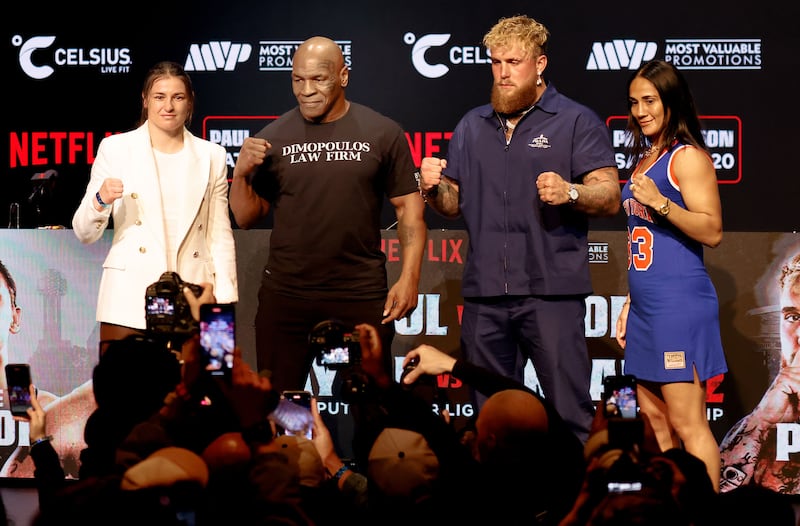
515,101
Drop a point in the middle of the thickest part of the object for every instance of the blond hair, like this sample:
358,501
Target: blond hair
530,35
790,268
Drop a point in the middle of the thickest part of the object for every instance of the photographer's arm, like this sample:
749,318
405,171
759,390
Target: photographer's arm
433,362
48,472
352,485
195,301
371,355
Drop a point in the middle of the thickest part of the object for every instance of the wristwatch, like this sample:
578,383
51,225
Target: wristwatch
664,209
573,194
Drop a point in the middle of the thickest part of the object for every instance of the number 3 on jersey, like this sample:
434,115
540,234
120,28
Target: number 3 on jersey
643,239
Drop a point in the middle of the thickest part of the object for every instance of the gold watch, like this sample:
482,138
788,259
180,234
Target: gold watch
664,210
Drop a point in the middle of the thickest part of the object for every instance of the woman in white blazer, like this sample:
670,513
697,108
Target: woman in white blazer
165,193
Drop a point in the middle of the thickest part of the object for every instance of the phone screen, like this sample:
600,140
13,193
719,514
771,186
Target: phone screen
18,379
622,487
620,399
293,413
218,337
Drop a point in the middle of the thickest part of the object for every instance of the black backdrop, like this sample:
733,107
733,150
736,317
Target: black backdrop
56,122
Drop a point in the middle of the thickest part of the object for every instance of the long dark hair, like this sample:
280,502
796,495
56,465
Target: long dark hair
167,69
682,122
12,286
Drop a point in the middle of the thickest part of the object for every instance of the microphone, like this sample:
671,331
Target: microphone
44,176
38,180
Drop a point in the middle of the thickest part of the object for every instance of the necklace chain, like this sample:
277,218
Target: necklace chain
653,149
511,125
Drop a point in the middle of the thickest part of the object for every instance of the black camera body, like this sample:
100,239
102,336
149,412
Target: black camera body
167,312
338,347
334,345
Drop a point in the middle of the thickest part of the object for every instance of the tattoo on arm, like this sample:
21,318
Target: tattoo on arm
446,200
600,194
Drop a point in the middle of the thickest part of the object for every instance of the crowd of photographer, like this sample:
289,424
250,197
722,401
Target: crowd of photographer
193,448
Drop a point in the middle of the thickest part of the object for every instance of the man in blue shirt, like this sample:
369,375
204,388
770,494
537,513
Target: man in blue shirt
525,172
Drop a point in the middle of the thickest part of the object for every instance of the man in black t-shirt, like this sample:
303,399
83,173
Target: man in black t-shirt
324,168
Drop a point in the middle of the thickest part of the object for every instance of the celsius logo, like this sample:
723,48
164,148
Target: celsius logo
26,49
457,54
620,54
110,60
216,55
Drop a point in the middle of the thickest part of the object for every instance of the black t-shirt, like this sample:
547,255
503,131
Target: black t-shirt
326,185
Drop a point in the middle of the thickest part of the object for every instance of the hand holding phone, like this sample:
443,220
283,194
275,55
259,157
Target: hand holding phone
18,380
293,414
218,337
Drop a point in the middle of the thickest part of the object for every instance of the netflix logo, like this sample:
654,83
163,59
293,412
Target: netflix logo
438,250
48,148
428,144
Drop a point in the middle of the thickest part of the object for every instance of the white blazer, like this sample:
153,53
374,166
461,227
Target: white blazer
138,254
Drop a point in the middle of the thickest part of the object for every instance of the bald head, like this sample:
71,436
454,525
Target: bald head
514,409
510,419
319,77
322,48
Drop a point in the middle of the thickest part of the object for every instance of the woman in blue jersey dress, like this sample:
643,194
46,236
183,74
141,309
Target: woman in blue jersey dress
669,325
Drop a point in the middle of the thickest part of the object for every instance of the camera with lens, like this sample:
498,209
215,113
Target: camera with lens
334,345
167,312
337,347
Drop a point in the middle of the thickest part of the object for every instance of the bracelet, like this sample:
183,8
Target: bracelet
425,195
432,193
341,471
43,439
100,200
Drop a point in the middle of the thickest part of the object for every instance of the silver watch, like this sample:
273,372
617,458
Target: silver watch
573,194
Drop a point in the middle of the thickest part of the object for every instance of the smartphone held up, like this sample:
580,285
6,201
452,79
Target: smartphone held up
18,380
218,337
621,407
619,396
293,414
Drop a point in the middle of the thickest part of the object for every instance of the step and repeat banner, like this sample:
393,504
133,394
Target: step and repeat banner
422,64
56,281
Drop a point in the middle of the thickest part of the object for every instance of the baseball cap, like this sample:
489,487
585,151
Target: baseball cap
165,467
402,464
302,453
